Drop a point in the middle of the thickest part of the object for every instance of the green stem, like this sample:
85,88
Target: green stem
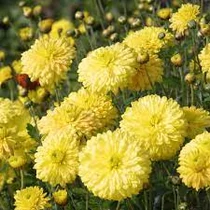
145,201
118,205
21,179
86,202
182,85
192,95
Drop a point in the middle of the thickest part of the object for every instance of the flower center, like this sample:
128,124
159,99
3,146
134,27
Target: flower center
115,162
58,156
155,120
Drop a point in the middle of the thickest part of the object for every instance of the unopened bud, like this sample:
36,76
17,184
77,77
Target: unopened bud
189,78
122,19
177,60
79,15
109,17
37,10
27,12
143,57
114,37
60,197
45,25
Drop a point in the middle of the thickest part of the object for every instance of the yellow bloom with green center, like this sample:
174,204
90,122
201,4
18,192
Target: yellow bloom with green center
108,68
89,113
31,198
198,120
53,58
148,40
56,161
5,74
158,123
179,20
113,166
194,162
147,74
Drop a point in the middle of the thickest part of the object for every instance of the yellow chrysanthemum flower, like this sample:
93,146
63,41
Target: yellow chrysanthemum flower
60,27
179,20
204,60
87,112
113,166
197,120
56,161
53,58
194,162
108,68
31,198
147,39
5,74
147,74
158,123
13,114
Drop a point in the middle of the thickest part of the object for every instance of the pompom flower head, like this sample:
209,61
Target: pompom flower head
158,123
56,161
87,112
147,74
113,166
108,68
147,39
31,198
179,20
197,120
53,57
194,162
204,60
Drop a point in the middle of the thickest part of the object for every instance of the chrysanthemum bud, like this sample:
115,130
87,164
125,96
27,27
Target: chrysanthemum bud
140,6
79,15
122,19
143,57
161,35
111,29
135,23
114,37
177,60
182,206
109,17
205,29
26,33
149,21
191,24
164,13
27,12
21,3
37,10
189,78
60,197
17,161
175,180
105,33
2,55
45,25
89,20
